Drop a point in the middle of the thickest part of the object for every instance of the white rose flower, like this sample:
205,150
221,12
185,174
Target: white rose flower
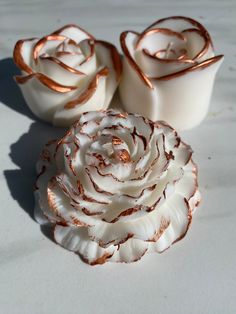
66,73
116,186
169,71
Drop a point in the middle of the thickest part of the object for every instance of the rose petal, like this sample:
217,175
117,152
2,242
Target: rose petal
70,59
39,93
153,66
45,169
130,251
179,23
89,64
46,45
77,240
60,204
92,98
179,212
157,39
74,32
198,45
108,55
147,99
60,72
128,41
193,84
23,54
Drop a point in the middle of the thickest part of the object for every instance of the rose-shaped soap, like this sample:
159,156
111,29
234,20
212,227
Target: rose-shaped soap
116,186
169,71
67,73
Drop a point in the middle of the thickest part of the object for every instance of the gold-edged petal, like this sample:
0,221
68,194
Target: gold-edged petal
132,62
115,57
199,66
18,55
41,43
63,31
46,81
189,24
62,64
89,92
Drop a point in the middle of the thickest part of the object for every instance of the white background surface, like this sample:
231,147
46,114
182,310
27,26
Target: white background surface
198,274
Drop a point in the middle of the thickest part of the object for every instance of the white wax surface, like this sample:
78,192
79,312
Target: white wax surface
197,275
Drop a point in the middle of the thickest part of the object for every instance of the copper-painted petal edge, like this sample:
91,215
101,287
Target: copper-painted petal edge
164,31
51,84
18,58
62,64
89,92
181,61
58,31
39,45
205,47
116,59
131,61
190,20
200,66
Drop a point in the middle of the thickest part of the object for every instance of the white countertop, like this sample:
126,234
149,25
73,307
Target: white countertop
198,274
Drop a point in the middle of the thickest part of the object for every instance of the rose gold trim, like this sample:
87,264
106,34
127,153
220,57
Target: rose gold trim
190,20
88,198
123,115
70,162
164,31
180,59
206,39
17,56
102,162
88,213
147,80
163,226
131,61
133,210
142,137
62,64
53,85
92,50
60,30
107,175
43,170
124,156
199,66
52,205
188,224
75,221
113,242
116,141
100,260
89,92
151,188
45,155
139,257
39,45
96,187
63,53
116,59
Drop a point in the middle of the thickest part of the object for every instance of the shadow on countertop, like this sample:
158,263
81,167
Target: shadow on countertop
25,151
10,94
24,154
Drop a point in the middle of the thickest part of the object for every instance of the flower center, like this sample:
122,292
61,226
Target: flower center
171,52
108,150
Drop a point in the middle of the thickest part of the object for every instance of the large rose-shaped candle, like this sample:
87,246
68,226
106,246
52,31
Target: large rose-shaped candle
169,71
116,186
66,73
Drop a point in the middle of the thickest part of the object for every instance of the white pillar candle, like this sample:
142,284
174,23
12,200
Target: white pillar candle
169,71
